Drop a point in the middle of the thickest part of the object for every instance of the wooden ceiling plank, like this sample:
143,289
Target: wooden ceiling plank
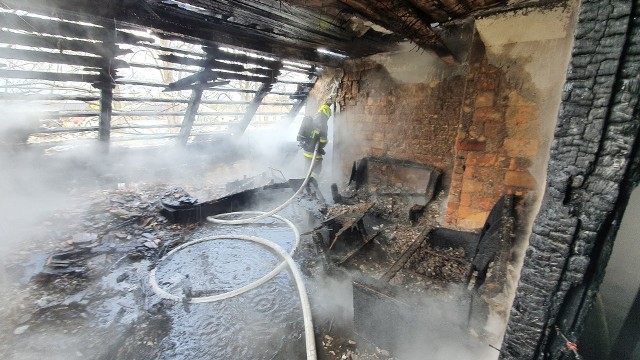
57,58
49,42
433,9
62,28
257,12
51,76
396,16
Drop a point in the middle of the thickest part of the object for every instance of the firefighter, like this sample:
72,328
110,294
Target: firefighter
314,130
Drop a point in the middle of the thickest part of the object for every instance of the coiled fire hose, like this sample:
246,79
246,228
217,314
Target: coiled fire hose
288,261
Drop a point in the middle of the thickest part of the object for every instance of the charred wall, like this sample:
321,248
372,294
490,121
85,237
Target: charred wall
592,170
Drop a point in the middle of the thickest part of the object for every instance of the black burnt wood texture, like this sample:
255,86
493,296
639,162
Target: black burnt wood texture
591,172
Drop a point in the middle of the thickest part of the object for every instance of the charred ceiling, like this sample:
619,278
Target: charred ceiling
286,29
205,49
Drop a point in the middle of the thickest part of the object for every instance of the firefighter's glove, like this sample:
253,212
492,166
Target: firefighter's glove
321,152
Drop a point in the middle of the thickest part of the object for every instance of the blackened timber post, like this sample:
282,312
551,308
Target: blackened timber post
106,85
253,106
190,114
106,108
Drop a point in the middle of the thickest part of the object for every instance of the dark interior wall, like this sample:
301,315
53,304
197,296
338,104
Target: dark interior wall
592,170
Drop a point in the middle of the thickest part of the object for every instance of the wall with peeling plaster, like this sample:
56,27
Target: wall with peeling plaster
512,97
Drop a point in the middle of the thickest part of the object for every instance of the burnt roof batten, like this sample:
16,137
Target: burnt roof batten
264,90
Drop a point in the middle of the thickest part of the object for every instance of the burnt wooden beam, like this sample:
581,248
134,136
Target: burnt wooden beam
106,107
174,23
57,43
235,76
60,28
406,255
132,126
190,115
45,97
433,9
275,15
106,86
251,109
306,83
200,77
159,67
455,8
168,49
215,64
218,54
399,17
297,70
68,114
57,58
199,31
51,76
139,83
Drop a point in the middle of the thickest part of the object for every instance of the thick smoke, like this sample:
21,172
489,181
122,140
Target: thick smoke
443,335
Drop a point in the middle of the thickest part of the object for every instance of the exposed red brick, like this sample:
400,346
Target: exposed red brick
468,144
485,99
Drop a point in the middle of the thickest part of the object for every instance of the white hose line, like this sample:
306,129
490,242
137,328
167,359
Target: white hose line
276,210
310,341
204,299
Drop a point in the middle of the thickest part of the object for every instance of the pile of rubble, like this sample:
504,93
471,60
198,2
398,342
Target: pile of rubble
444,265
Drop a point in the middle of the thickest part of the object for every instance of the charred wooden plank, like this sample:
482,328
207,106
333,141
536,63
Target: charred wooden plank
56,58
406,255
45,97
146,44
456,8
61,28
218,54
44,75
432,8
60,44
235,76
295,19
255,104
402,19
199,78
215,64
160,67
132,126
190,115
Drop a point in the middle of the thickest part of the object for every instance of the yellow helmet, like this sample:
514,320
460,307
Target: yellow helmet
325,109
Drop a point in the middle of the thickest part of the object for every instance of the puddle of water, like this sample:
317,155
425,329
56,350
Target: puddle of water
265,323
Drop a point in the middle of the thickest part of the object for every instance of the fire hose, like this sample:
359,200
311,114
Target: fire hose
288,261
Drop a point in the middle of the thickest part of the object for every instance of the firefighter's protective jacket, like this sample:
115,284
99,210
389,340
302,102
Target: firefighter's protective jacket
314,129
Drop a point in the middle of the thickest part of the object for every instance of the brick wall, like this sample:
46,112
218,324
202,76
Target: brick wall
417,122
497,142
481,124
